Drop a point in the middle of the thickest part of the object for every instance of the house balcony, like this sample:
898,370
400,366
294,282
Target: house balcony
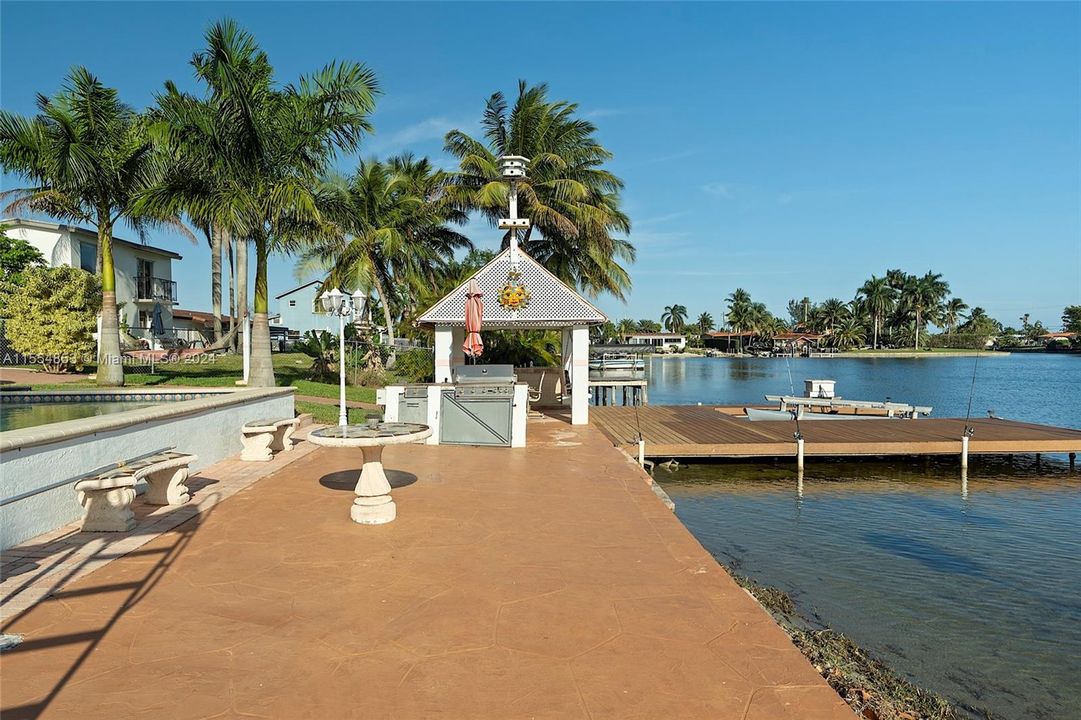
152,289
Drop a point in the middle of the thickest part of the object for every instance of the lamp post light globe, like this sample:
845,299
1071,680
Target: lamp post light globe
335,302
332,300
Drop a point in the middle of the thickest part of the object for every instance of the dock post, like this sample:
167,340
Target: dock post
964,452
799,454
1073,460
641,452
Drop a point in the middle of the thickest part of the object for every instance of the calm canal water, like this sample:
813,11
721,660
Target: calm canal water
972,592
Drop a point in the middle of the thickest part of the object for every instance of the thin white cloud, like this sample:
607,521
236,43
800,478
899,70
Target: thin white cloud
659,219
426,130
723,190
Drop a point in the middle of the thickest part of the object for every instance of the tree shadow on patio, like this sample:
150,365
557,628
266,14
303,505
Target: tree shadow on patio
59,570
346,480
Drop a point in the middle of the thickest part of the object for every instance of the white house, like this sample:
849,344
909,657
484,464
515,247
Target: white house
664,342
144,274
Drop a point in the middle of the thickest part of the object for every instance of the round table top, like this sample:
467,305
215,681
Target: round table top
385,433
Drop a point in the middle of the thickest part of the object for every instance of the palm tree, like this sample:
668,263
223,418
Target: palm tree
195,181
739,312
674,318
879,298
921,296
705,323
848,334
831,313
572,200
952,312
277,142
87,155
390,230
626,327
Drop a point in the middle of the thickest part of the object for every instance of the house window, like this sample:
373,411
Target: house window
146,268
292,303
144,318
88,256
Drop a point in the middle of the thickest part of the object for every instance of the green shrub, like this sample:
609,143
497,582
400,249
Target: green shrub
52,316
415,365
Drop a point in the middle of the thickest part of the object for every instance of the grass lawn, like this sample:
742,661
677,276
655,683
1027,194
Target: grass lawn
225,370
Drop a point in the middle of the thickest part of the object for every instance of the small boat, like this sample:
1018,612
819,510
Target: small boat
617,361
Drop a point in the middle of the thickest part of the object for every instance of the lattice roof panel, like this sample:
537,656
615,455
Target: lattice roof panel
551,303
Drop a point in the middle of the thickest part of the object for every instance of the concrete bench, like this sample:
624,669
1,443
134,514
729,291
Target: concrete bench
107,495
262,438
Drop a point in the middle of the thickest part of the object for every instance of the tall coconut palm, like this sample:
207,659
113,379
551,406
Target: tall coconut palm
198,182
705,323
280,140
921,296
953,311
87,155
848,334
391,227
626,327
831,312
674,318
572,200
879,298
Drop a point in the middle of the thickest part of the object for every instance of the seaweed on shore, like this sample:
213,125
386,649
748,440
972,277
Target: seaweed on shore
869,686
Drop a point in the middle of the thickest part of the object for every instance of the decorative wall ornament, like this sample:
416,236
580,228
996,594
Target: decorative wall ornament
514,295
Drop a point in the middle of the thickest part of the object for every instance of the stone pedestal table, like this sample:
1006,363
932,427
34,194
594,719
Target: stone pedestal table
373,504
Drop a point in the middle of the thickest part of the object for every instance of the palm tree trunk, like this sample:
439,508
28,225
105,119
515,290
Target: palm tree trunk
385,302
215,279
228,245
875,344
917,328
261,373
242,281
110,367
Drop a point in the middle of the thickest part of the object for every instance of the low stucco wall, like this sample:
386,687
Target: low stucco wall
38,457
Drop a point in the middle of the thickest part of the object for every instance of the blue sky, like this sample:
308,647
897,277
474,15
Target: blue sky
789,149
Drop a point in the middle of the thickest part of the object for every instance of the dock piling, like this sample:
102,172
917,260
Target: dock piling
964,451
799,454
641,452
1073,460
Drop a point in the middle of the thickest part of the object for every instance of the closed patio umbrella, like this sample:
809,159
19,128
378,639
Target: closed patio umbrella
474,315
157,322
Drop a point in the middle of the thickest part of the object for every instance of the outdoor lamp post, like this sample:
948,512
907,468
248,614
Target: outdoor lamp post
336,302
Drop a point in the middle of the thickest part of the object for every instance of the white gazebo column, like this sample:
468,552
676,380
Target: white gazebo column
444,343
579,375
567,355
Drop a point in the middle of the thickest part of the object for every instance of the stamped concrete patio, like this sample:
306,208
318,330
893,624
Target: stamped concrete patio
548,582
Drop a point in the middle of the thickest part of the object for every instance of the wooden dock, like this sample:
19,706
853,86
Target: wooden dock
687,431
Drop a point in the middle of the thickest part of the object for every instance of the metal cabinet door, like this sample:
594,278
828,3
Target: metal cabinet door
475,422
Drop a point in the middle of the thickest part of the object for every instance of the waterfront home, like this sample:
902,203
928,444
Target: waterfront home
300,311
661,342
144,273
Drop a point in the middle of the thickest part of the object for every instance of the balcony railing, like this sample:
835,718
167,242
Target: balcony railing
152,288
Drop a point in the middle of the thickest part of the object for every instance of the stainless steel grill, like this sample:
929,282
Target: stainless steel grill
483,375
480,408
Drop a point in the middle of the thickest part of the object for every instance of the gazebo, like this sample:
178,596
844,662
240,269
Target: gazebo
520,294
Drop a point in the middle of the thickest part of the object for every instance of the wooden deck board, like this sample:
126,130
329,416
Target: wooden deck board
698,431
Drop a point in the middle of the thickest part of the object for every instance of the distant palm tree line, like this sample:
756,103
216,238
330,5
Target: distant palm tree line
894,309
247,163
